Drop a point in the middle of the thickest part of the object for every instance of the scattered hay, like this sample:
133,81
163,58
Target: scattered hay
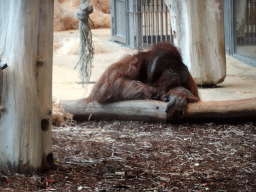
59,116
137,156
159,157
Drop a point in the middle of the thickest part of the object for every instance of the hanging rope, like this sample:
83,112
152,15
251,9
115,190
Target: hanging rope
86,51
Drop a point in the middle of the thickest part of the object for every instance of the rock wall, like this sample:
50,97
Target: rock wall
64,11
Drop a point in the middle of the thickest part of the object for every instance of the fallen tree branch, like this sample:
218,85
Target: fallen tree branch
137,110
222,109
154,111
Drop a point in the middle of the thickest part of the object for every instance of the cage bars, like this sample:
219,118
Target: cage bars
151,23
248,36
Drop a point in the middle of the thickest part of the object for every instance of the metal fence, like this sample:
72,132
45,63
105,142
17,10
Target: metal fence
143,23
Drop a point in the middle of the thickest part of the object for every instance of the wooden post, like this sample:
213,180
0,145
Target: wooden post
26,45
198,32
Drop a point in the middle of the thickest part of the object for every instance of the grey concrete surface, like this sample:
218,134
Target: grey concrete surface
240,82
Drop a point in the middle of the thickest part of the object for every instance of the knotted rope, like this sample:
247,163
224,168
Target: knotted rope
86,51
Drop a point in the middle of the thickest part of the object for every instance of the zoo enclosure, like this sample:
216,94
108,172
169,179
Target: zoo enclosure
140,23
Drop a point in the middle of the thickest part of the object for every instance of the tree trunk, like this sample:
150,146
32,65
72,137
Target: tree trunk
154,111
198,32
26,46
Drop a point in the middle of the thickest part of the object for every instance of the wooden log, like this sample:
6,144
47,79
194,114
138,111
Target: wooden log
137,110
154,111
222,109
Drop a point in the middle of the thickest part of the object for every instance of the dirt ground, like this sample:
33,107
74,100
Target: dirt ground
137,156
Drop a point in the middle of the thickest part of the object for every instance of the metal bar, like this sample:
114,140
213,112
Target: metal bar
152,21
149,11
148,21
137,23
132,23
165,23
140,24
161,20
127,22
156,19
169,27
246,22
249,22
254,22
143,23
166,28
